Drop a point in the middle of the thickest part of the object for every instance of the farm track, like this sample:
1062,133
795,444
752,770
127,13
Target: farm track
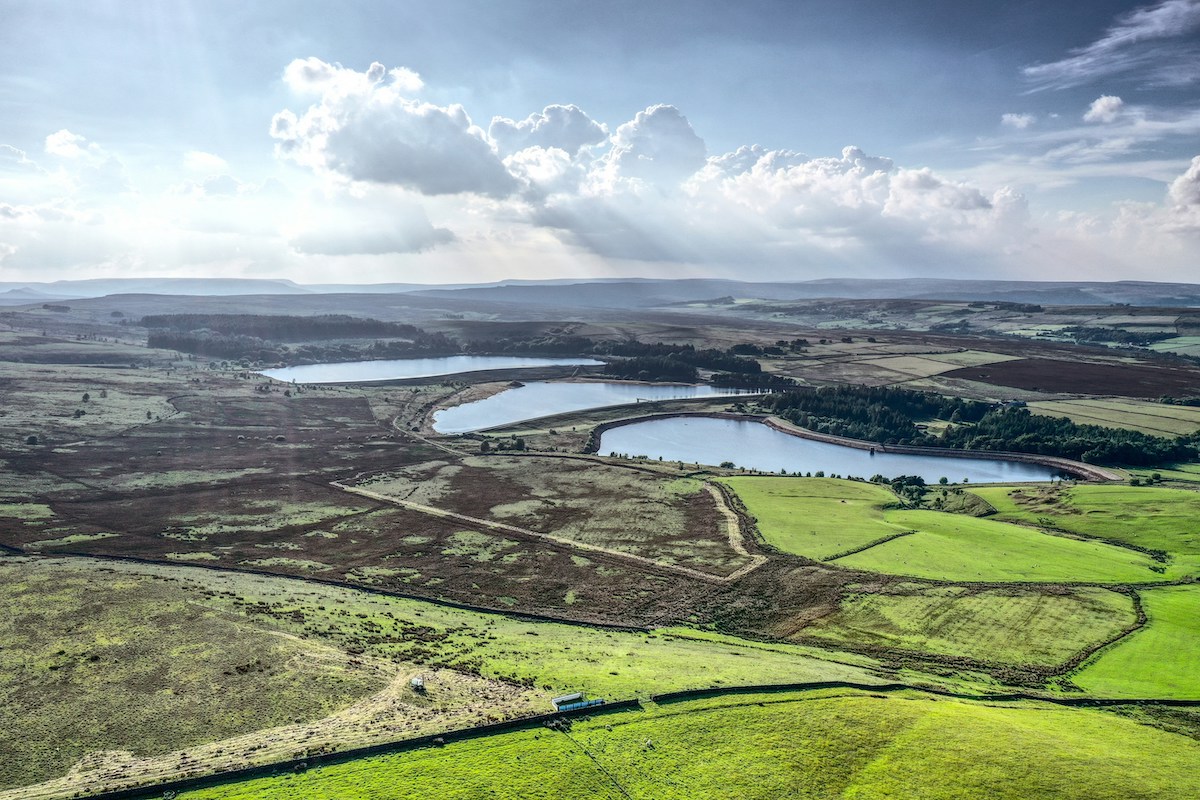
641,561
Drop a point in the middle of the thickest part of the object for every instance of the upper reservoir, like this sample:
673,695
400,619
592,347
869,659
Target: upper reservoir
541,399
404,368
707,440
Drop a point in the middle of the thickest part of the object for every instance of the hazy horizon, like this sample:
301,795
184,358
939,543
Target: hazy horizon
463,142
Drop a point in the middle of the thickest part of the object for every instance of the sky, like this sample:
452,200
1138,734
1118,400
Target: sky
455,141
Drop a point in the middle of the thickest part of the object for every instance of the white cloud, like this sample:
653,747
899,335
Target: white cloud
87,166
1018,121
1144,42
204,163
364,128
657,146
65,144
1105,108
566,128
1185,190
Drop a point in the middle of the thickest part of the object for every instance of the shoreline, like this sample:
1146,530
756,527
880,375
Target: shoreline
1077,468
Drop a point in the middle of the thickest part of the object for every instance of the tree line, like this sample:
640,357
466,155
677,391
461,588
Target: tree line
281,327
891,416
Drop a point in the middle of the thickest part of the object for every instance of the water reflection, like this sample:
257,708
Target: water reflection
706,440
541,399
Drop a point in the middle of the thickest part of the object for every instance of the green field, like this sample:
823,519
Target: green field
1184,473
1154,518
788,745
1184,345
1003,626
1156,419
1160,660
817,517
953,547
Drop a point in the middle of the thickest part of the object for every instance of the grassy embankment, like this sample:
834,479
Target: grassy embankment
786,745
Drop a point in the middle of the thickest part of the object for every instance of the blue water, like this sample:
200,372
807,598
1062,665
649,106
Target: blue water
753,445
364,371
541,399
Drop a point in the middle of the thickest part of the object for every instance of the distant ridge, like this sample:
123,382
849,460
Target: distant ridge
634,293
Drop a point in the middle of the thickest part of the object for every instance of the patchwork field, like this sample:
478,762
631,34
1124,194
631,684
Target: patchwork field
785,745
814,517
817,518
1156,419
274,563
952,547
923,366
1004,626
1160,660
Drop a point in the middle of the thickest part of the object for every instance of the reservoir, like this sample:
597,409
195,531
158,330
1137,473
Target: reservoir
403,368
706,440
541,399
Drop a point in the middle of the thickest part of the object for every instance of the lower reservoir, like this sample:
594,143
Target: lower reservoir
753,445
541,399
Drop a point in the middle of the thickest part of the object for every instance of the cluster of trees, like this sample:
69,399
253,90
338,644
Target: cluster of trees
878,414
653,361
890,416
652,368
752,380
1179,401
1091,335
282,327
258,338
1019,430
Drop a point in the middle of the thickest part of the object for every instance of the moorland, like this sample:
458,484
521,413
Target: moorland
218,584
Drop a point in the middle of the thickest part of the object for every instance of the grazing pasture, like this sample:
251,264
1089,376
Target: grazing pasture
817,745
1002,626
817,518
1160,660
953,547
1158,519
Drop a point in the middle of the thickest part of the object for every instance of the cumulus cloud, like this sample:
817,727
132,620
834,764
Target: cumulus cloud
657,146
1105,108
1154,43
565,128
1018,121
363,127
1185,190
